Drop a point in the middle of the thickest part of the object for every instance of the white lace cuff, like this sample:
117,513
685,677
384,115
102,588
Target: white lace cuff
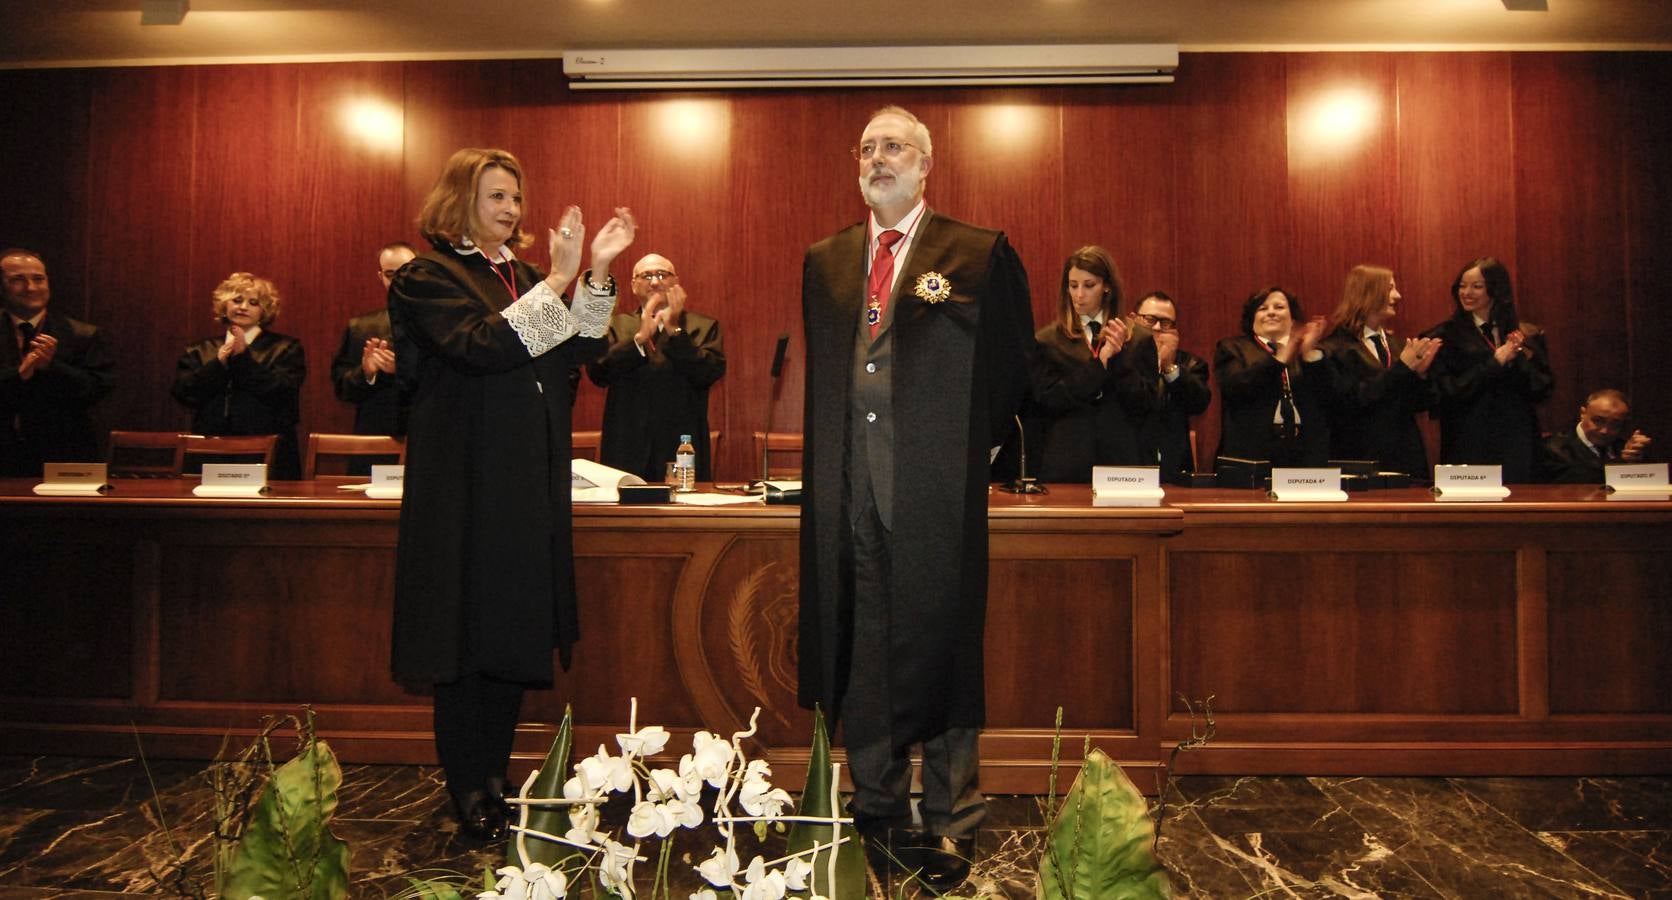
593,308
540,319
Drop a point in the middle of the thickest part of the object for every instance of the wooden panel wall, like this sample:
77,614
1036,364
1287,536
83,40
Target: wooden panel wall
147,186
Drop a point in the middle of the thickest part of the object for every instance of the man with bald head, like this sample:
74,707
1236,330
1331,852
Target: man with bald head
1579,455
52,370
661,361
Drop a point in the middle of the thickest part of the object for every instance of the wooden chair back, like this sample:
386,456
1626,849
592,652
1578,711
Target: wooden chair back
197,449
348,454
144,454
783,454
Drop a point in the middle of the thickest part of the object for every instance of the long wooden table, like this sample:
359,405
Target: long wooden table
1388,634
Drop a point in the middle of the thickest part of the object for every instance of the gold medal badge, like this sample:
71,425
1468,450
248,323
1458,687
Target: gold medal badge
932,287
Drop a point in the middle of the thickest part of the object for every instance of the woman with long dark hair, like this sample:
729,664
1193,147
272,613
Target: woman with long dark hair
1075,374
1492,373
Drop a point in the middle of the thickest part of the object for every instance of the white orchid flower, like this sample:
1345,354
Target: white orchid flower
664,785
615,869
796,872
705,894
757,768
685,814
761,799
688,782
511,885
602,769
545,883
712,757
650,818
763,884
720,868
647,741
583,825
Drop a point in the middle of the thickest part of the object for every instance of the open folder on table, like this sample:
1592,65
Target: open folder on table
594,482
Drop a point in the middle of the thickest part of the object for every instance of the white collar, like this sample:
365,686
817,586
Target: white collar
913,217
1580,430
467,247
250,333
36,321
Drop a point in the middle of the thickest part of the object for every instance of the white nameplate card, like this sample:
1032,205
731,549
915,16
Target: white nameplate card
1637,481
232,480
1126,485
386,482
1469,483
73,479
1307,485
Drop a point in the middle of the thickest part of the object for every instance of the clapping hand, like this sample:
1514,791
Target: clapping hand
564,242
377,356
1166,349
651,317
1506,352
235,344
616,236
1111,339
1635,445
1310,334
39,355
1419,354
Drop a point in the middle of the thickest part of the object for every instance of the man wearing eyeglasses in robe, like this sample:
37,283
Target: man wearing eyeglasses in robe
661,361
918,331
1161,386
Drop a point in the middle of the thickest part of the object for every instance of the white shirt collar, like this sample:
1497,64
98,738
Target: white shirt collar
1580,430
909,223
466,247
36,321
250,333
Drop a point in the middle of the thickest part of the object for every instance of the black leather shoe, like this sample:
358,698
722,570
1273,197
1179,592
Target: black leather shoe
893,850
946,862
484,816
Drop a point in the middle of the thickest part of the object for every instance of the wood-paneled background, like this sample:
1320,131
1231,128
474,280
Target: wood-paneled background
146,186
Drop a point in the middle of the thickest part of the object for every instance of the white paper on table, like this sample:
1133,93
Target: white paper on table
594,482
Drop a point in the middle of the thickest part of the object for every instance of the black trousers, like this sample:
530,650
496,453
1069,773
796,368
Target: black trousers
879,760
475,723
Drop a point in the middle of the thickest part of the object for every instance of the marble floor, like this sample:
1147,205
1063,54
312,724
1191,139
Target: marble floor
79,827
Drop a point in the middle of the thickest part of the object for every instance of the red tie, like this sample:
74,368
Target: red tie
882,279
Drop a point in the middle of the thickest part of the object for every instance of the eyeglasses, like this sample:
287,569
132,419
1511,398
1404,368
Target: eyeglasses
1158,323
655,275
889,149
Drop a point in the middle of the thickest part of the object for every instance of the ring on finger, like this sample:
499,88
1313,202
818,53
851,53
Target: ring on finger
566,232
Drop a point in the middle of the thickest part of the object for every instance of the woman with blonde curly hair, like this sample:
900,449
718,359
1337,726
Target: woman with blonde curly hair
247,380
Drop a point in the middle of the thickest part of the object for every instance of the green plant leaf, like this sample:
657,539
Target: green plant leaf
288,851
1100,845
816,800
549,819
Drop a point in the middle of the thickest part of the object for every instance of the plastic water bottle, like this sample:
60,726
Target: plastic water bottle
685,465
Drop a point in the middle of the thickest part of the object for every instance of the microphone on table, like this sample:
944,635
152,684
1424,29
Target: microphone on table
1022,483
772,401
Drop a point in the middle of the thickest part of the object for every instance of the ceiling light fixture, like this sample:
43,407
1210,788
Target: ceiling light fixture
1527,5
